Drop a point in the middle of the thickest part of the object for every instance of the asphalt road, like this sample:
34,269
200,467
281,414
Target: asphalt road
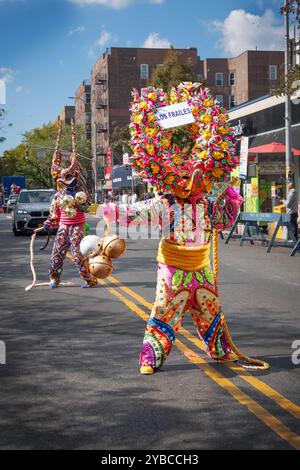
71,377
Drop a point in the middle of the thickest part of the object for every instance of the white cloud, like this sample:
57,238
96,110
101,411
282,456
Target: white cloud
154,41
105,38
6,74
79,29
157,2
19,89
243,31
115,4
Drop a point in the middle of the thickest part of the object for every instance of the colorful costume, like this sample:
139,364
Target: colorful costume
67,214
189,219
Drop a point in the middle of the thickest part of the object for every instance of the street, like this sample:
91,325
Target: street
71,378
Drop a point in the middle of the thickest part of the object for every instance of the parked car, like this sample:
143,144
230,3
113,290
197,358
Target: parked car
11,201
31,209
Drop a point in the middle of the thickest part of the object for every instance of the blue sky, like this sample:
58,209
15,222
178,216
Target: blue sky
47,47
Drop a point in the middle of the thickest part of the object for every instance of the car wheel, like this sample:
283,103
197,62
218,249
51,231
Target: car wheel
15,231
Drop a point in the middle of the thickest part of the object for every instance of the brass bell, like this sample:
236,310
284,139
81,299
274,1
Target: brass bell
113,246
101,266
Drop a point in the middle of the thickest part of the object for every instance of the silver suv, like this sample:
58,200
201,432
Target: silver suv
31,209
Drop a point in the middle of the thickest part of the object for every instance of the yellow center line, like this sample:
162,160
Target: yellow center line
259,411
262,387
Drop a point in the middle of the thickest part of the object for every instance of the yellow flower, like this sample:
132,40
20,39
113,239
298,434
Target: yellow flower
205,118
217,172
206,135
208,102
223,130
152,96
173,97
138,118
142,105
224,145
155,168
165,144
151,131
150,149
177,160
151,117
218,155
169,179
202,155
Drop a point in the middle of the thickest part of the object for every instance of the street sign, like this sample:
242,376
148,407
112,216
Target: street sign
41,153
125,159
244,157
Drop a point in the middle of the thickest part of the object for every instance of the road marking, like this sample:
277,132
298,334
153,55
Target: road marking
261,386
259,411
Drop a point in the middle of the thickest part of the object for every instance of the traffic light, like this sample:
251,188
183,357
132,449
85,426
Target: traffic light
27,154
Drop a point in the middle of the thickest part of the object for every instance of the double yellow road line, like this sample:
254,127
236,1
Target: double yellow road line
244,399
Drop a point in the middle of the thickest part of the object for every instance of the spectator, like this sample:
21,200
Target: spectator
124,198
134,198
291,205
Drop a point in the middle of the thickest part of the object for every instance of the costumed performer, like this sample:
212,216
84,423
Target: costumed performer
188,218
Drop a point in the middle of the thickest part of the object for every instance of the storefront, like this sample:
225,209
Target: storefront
262,121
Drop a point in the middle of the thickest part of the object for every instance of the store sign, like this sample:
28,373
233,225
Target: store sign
174,115
272,168
244,157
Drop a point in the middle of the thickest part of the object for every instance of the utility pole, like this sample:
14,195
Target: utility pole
287,66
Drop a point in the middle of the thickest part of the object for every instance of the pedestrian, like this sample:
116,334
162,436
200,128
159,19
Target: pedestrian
134,198
124,198
291,205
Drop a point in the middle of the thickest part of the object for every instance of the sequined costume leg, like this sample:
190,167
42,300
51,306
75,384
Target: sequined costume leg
207,319
164,322
76,234
59,251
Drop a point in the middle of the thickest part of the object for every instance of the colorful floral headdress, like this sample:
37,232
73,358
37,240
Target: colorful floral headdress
68,177
159,160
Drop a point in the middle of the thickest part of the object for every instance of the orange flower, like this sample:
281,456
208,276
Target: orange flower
217,172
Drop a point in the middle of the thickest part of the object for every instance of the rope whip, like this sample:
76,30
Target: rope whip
254,364
34,283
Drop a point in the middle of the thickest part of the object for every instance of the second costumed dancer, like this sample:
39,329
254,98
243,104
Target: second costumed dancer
190,221
67,214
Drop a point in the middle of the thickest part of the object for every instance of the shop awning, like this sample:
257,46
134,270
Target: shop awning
273,147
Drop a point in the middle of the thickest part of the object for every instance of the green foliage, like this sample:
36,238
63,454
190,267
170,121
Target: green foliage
171,72
24,159
291,82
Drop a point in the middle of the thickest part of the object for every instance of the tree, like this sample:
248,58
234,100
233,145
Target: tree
171,72
2,117
33,157
291,82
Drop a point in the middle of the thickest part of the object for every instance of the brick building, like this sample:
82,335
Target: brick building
232,81
83,107
67,114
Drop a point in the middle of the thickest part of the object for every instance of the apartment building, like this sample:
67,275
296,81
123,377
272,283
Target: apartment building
83,107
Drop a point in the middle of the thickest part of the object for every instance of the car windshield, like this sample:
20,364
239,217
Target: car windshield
13,197
32,197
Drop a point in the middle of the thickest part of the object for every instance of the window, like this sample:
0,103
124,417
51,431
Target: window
200,77
231,79
219,98
273,72
219,79
232,101
144,71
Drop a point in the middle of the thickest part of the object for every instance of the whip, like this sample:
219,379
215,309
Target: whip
34,283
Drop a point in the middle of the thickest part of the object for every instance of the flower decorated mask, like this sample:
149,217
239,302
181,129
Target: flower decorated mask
182,160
